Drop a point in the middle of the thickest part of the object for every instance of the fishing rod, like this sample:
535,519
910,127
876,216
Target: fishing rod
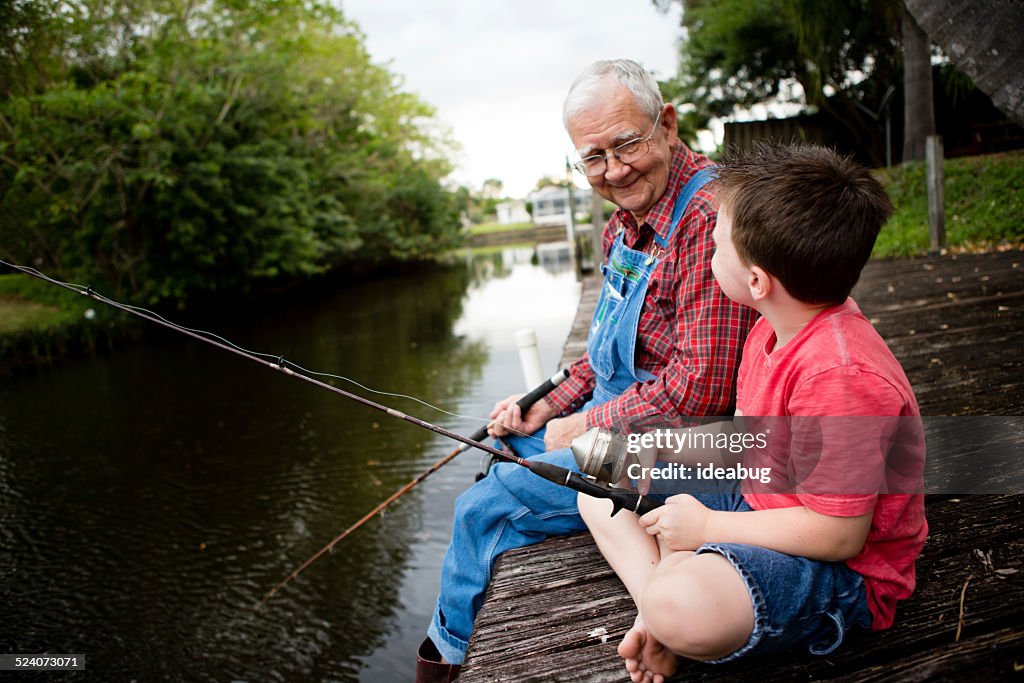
524,403
622,499
280,363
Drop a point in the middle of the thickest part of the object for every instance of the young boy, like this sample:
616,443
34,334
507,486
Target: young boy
755,568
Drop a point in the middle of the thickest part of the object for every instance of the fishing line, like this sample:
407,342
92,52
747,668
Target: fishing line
621,499
205,335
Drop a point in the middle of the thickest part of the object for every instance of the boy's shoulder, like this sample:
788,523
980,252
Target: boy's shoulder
841,336
838,358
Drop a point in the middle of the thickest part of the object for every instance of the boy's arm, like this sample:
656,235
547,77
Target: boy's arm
685,524
700,444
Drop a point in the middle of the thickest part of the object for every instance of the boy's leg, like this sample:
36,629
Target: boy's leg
646,659
634,555
629,550
509,508
698,606
693,606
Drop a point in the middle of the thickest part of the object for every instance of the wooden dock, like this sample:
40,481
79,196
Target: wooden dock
556,612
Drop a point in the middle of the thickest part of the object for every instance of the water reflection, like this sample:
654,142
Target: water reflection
150,497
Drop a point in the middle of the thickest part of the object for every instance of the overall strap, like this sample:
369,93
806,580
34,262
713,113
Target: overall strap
696,182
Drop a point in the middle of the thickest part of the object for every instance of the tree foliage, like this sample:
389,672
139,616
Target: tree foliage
173,148
842,55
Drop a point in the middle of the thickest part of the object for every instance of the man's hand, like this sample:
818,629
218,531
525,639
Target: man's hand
507,417
681,523
563,430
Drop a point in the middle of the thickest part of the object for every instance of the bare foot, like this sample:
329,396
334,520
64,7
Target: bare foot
647,660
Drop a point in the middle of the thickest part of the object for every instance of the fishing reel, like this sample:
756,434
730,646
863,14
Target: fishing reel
603,455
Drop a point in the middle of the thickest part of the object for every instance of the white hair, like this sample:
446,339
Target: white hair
593,83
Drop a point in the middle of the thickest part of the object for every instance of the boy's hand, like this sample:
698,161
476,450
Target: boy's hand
681,523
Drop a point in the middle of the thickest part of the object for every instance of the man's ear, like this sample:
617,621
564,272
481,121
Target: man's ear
759,283
669,124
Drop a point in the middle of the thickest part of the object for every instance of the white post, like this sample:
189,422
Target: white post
529,358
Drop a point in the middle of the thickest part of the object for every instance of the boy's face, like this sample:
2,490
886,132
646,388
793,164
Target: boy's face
732,276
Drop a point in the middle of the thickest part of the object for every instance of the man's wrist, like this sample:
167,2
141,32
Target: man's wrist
547,411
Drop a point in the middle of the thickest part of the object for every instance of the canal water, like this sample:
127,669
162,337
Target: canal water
151,496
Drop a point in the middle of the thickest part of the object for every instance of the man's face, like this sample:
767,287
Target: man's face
616,119
731,274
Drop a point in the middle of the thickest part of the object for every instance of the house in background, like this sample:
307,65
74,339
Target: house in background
511,212
550,204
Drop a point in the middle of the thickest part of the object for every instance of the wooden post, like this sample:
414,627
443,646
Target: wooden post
597,219
935,174
570,224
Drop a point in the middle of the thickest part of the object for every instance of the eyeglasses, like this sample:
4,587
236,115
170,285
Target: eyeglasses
626,153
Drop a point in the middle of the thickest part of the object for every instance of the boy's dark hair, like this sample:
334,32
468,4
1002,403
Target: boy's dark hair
805,214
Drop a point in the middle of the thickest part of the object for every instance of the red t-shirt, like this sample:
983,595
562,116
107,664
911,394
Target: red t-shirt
839,367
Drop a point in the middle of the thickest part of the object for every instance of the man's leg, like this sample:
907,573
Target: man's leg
509,508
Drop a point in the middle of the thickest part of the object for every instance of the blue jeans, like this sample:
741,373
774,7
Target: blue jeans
798,603
509,508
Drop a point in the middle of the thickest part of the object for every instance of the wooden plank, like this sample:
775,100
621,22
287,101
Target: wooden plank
991,657
576,344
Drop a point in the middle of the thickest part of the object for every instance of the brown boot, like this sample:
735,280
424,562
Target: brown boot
430,668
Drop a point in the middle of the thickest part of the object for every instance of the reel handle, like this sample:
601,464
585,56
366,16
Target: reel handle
647,504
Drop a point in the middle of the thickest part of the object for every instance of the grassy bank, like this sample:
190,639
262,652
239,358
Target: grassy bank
40,323
984,204
488,228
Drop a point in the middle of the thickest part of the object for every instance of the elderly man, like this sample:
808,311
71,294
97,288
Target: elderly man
664,343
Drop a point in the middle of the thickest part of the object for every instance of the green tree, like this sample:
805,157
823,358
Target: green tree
176,148
841,54
551,181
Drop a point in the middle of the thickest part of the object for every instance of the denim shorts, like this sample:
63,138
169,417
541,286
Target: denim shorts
798,603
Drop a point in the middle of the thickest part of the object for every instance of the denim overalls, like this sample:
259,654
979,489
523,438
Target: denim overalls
511,507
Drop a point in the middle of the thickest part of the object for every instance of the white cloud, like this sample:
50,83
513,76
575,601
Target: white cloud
497,70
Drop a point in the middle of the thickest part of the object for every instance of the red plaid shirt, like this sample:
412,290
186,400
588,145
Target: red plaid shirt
690,335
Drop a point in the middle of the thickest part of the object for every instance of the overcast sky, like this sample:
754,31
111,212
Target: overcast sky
497,71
